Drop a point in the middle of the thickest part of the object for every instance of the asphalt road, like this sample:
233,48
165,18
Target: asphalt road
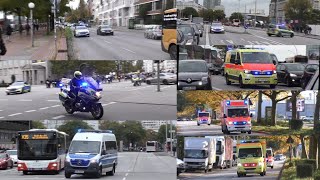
121,101
231,173
124,45
131,166
236,36
218,82
190,128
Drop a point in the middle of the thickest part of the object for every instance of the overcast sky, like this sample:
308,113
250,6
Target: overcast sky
284,51
233,5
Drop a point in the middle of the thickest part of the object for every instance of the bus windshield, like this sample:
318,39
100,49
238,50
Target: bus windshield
37,149
92,147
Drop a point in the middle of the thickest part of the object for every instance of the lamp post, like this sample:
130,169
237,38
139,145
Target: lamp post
31,6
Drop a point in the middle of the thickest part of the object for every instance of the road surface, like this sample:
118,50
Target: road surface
120,100
231,173
190,128
124,45
131,166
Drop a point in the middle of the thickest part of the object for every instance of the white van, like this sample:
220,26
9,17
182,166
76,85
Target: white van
92,152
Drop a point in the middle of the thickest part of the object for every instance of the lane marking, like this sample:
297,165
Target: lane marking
58,117
127,174
268,39
165,87
44,108
15,114
4,99
124,178
1,117
108,104
216,88
107,42
25,100
129,50
53,100
230,41
1,110
31,111
55,106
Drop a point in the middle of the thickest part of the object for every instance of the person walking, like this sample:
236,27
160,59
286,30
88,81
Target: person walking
3,49
9,32
28,28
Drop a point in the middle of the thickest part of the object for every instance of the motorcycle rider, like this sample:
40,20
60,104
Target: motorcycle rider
75,84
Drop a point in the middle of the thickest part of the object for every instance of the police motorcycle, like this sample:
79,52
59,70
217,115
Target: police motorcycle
136,81
87,101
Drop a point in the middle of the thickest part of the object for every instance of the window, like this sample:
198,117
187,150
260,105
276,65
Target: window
111,145
233,57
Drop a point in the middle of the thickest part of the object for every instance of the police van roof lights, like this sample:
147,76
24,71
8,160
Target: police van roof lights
228,103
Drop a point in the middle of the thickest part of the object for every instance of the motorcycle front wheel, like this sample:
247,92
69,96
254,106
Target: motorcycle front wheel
97,111
69,109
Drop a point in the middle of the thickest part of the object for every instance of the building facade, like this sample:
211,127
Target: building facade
211,4
184,4
8,132
165,66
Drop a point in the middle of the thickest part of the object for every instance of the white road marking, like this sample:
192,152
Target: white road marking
127,174
58,117
31,111
124,178
1,110
129,50
242,39
230,41
15,114
25,100
207,36
55,106
43,108
53,100
268,39
1,117
165,87
250,43
222,42
139,88
108,104
107,42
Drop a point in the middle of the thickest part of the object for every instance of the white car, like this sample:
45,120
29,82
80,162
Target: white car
13,156
180,166
308,118
81,31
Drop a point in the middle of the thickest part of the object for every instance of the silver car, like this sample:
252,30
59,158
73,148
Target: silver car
156,32
165,78
217,27
81,31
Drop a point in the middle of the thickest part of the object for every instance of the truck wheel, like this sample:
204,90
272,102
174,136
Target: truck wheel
228,82
249,132
241,83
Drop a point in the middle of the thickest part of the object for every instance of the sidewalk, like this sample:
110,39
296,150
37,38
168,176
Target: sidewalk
19,47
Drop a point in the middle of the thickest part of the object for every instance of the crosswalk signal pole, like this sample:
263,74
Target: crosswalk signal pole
158,74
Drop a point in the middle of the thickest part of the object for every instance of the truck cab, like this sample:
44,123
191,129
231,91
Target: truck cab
235,116
251,155
199,153
204,118
224,152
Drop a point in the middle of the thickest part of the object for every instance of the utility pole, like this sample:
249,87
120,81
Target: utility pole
275,11
166,136
171,137
255,13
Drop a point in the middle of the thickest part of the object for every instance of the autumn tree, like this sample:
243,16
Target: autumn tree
298,10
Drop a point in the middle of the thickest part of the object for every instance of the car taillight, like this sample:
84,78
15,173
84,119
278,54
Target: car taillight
53,166
22,167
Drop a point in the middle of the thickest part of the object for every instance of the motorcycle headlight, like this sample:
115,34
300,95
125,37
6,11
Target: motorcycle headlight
98,94
293,75
247,71
260,164
239,164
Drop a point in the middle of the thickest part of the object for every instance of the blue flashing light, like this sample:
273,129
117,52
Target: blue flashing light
269,72
228,103
246,102
60,85
84,84
255,72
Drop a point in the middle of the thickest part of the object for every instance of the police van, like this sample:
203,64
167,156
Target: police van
92,152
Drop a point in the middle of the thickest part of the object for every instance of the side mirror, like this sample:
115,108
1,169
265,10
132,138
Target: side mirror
251,115
224,116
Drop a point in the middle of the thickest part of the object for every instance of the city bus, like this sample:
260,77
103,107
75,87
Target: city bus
169,33
41,150
153,146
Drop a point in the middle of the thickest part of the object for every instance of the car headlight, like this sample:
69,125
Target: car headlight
274,72
249,122
239,164
93,161
230,123
200,83
247,71
293,75
260,164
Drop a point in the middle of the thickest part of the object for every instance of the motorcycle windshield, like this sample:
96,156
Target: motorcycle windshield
93,83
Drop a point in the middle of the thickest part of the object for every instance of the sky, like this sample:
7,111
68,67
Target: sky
284,51
74,4
233,5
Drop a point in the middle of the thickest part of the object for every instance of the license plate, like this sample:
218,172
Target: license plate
35,169
189,88
263,81
79,171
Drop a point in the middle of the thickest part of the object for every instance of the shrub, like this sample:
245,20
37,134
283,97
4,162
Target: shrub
307,161
304,170
317,175
296,124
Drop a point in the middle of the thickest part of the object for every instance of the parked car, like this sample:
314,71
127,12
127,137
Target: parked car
165,78
308,118
194,75
13,156
314,82
5,161
18,87
309,71
290,73
217,27
279,157
105,30
180,166
156,32
81,31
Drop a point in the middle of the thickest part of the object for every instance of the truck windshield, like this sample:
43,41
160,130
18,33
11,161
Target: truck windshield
256,57
92,147
238,112
269,152
194,153
204,115
250,152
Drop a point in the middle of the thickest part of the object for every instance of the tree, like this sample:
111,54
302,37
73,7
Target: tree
298,10
218,15
37,125
259,107
314,17
236,15
13,78
294,104
275,97
143,11
189,11
162,132
72,127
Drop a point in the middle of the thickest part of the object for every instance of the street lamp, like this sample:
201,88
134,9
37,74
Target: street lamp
31,6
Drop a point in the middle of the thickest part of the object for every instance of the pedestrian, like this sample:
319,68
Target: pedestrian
3,49
20,29
309,29
9,32
28,28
